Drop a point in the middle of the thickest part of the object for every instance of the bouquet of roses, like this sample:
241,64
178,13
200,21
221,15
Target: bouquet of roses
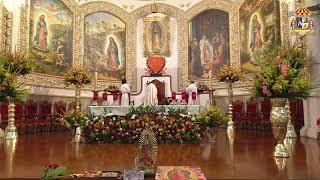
74,119
229,74
53,171
212,117
77,75
202,87
112,88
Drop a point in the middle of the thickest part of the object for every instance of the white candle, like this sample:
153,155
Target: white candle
96,78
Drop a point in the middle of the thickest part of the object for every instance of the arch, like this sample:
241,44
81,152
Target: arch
234,39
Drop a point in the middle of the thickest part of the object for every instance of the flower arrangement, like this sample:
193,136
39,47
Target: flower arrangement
202,87
77,75
282,73
74,119
53,171
229,74
13,65
168,128
212,117
112,88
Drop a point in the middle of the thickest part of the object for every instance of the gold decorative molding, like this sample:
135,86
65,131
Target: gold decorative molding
284,23
234,37
45,80
6,29
132,28
93,7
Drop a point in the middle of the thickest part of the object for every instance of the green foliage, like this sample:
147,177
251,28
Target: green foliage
212,117
12,66
53,173
282,73
73,119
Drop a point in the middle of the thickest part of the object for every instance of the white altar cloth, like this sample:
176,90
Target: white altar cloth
123,110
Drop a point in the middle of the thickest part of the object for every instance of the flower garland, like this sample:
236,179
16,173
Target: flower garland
77,75
229,74
282,73
167,128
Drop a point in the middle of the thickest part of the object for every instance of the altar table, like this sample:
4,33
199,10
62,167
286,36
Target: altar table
123,110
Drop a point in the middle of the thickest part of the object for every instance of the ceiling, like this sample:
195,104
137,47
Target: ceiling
131,5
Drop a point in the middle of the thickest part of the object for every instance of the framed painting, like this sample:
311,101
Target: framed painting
259,27
208,43
105,46
157,36
51,36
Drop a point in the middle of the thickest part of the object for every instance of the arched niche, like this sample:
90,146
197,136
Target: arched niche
234,39
141,13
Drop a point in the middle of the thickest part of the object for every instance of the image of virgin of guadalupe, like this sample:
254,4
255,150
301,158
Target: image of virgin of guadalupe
156,36
40,39
256,39
113,55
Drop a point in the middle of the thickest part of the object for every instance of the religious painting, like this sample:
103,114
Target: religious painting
260,29
208,43
105,45
51,36
157,36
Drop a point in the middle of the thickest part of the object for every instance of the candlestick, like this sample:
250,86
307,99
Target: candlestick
210,80
96,79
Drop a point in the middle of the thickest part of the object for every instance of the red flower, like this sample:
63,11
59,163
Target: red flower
52,166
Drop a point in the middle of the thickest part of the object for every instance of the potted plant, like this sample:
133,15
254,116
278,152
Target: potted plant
282,74
212,118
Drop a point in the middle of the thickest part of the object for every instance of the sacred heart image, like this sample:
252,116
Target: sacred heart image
156,64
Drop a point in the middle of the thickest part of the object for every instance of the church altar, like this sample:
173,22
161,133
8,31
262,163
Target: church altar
123,110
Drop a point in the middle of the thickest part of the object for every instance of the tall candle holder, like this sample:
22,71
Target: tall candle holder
230,129
11,130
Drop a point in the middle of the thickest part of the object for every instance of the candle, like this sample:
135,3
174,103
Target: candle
210,80
96,78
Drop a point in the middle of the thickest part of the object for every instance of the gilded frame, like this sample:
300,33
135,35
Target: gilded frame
5,13
165,21
130,19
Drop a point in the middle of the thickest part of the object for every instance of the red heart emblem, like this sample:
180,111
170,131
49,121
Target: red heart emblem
156,64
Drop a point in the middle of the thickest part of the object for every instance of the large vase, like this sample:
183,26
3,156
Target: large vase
11,130
77,135
279,118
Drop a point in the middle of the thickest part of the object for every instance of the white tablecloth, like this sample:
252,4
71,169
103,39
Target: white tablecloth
123,110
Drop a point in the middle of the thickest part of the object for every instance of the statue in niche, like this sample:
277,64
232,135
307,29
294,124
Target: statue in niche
156,34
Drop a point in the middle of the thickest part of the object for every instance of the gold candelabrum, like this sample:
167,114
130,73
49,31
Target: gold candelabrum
77,97
77,136
11,130
291,133
230,129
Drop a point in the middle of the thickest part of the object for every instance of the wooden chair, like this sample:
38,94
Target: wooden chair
60,109
4,115
31,115
265,113
252,115
45,115
161,91
237,112
20,117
